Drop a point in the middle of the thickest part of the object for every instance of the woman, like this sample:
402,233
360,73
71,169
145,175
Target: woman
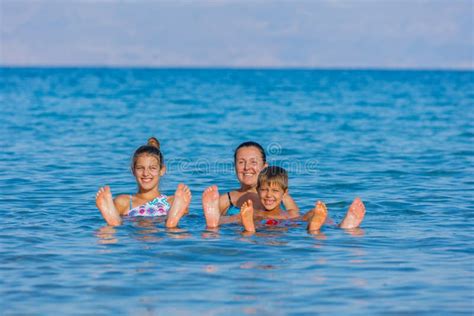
249,160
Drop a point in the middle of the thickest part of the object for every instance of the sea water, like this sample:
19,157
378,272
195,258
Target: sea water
400,140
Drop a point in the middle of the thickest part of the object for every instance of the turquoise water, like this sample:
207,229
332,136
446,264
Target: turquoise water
401,140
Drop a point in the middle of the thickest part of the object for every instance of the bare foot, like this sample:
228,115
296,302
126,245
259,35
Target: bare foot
210,205
320,213
182,198
105,203
246,212
354,215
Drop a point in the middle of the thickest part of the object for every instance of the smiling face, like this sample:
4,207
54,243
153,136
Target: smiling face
248,164
271,195
147,172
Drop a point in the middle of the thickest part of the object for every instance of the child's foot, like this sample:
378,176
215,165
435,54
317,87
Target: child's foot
210,204
105,203
354,215
320,213
246,213
182,198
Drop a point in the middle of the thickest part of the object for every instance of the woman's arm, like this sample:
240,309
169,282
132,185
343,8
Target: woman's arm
224,204
230,219
290,206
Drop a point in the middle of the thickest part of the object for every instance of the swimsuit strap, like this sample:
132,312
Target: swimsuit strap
131,196
230,200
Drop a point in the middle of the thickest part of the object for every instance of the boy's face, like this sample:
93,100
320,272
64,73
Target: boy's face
271,195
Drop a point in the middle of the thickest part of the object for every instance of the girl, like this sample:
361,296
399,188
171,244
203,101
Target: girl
147,167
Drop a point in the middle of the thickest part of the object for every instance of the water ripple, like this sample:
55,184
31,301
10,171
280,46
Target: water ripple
400,140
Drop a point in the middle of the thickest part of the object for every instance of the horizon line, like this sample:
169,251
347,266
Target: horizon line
224,67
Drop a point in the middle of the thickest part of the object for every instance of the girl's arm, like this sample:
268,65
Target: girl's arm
122,204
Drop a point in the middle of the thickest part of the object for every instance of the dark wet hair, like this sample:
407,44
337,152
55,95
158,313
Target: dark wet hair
273,174
251,144
152,148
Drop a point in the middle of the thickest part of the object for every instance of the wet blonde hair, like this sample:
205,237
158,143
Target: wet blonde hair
273,175
152,148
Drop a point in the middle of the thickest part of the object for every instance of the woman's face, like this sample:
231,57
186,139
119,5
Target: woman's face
147,172
248,164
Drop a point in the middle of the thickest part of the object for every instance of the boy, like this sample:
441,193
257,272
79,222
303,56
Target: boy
272,187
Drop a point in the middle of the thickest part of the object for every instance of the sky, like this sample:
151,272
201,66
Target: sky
418,34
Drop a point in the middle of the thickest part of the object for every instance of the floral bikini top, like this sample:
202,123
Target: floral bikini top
159,206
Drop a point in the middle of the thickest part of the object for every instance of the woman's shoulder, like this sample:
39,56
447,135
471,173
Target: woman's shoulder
226,198
228,192
232,194
225,201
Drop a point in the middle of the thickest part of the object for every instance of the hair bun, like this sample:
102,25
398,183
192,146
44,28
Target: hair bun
152,141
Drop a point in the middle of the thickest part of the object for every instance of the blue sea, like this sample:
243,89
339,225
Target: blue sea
400,140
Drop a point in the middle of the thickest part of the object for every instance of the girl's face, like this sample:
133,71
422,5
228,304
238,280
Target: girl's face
248,164
271,195
147,172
